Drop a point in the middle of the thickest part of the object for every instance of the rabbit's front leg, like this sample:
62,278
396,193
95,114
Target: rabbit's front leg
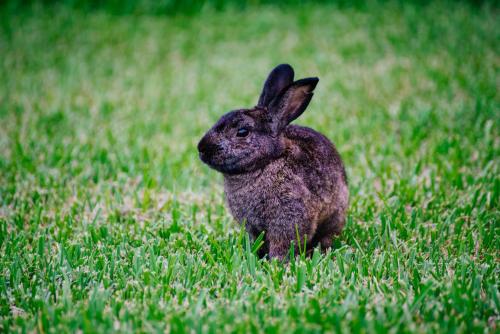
279,249
285,230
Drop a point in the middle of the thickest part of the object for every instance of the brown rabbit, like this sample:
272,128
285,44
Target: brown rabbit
285,180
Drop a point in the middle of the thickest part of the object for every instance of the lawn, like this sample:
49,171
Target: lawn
109,221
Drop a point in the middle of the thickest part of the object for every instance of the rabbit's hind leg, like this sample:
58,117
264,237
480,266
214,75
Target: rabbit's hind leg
326,231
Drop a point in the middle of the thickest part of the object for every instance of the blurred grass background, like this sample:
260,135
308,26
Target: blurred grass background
108,221
189,7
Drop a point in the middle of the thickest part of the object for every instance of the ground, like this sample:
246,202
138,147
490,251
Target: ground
109,221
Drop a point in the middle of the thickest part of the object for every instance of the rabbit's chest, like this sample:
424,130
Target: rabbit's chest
252,204
260,200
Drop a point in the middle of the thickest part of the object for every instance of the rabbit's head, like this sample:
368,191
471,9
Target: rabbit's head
247,139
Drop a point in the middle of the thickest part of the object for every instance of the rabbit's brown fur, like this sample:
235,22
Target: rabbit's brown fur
278,178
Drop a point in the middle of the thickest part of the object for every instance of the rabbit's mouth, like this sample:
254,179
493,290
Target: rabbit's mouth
228,166
231,165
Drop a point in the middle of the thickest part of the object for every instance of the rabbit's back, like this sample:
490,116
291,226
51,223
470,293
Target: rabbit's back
315,160
311,150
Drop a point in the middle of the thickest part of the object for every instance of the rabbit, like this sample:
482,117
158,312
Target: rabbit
287,181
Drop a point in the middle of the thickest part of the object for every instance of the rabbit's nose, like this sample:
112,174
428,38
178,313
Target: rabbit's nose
206,147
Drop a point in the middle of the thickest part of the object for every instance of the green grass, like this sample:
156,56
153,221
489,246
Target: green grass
109,222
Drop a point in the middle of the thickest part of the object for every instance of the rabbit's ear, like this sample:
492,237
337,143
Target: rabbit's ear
292,102
279,78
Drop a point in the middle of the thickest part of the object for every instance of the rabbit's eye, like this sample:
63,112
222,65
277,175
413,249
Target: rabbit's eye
242,132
